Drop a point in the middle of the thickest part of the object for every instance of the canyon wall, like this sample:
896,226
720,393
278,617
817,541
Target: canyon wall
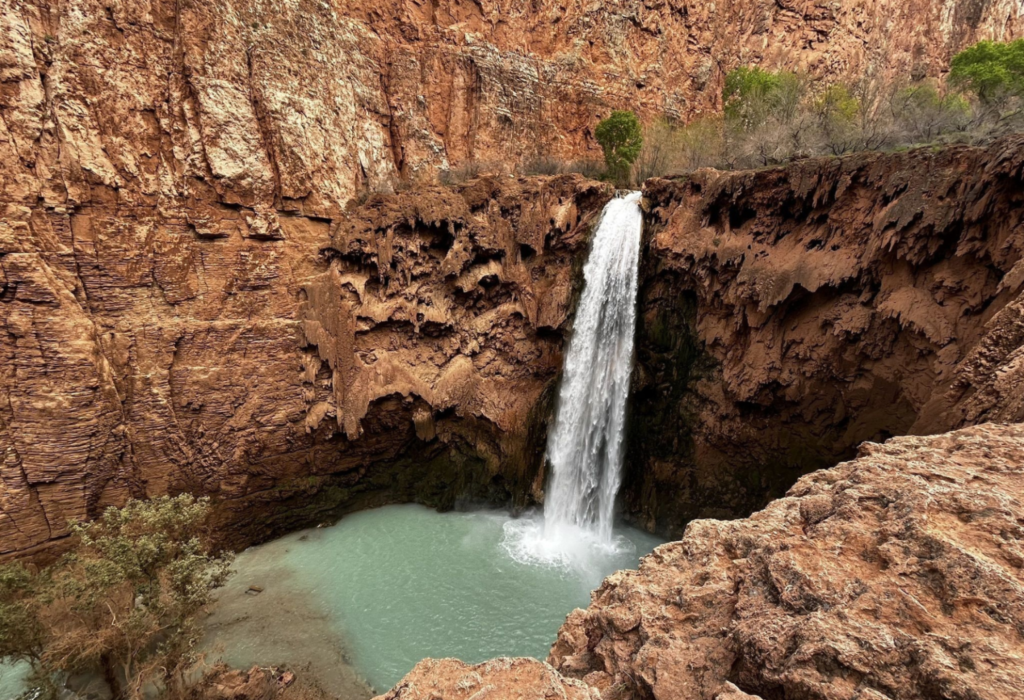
170,172
299,105
407,352
787,315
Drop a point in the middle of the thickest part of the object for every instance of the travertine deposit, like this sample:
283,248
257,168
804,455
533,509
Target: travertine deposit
411,360
789,314
170,172
898,575
509,679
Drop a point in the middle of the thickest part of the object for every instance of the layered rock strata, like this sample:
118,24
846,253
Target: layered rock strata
300,105
170,171
406,352
787,315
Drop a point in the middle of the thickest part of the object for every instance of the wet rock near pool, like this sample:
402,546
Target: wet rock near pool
899,574
407,352
170,173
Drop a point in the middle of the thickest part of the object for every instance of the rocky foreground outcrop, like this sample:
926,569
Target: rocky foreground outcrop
898,575
404,353
509,679
789,314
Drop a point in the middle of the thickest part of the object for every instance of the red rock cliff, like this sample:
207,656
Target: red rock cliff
789,314
170,171
298,105
411,361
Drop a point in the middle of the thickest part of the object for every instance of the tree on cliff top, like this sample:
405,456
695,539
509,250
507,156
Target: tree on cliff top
621,138
991,70
125,600
753,96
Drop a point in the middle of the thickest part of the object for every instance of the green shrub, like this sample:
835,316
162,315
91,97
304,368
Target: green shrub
990,70
924,113
621,139
124,602
753,96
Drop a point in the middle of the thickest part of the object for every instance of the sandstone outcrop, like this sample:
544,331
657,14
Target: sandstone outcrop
508,679
409,361
788,314
170,171
897,575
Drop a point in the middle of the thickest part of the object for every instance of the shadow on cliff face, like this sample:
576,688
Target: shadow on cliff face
789,314
452,467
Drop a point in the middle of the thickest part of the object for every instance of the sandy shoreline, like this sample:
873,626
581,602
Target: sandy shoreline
278,627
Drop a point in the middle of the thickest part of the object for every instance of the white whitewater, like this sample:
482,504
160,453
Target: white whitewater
585,447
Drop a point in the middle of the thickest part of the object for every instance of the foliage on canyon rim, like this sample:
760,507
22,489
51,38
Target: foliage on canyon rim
771,117
991,70
125,601
621,138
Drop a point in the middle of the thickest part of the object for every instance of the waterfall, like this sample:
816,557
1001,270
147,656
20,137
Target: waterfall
585,448
585,445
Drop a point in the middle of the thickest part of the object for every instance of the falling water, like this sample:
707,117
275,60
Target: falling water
585,447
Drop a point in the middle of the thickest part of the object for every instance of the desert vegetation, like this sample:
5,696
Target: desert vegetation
123,604
771,117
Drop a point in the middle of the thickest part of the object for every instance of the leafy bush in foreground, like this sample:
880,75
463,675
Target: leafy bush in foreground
124,602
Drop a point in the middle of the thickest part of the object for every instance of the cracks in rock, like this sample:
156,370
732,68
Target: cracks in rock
265,129
394,136
78,266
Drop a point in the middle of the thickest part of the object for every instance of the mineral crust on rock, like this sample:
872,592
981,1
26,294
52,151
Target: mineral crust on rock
403,353
508,679
789,314
897,575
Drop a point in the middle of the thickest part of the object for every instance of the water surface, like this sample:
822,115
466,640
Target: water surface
386,588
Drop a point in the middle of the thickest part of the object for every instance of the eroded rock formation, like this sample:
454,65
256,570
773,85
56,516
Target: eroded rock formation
787,315
411,361
170,171
897,575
